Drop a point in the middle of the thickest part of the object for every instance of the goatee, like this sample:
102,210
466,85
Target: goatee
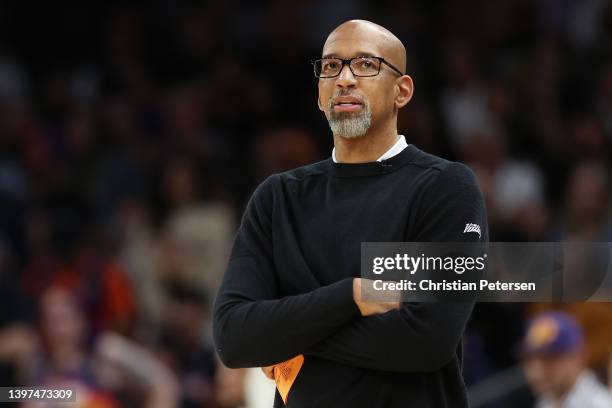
350,125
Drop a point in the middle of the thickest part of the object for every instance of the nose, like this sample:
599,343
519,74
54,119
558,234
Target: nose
346,79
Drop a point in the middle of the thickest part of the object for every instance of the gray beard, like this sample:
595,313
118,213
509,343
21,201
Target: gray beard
348,125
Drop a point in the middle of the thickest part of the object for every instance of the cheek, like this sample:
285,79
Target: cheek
382,101
324,95
380,107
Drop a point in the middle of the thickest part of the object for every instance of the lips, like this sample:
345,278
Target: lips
347,100
347,103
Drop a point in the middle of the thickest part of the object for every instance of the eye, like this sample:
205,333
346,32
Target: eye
330,65
364,63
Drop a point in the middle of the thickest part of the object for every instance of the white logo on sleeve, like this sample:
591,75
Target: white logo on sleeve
472,228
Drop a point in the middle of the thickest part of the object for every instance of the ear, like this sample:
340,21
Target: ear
405,88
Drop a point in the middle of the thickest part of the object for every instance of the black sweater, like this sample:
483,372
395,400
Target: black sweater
288,286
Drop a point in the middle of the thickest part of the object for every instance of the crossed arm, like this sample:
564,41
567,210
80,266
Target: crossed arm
251,331
254,327
329,323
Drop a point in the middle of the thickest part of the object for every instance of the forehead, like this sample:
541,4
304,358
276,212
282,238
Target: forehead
353,42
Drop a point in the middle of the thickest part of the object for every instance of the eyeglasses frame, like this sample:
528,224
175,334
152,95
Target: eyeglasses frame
348,61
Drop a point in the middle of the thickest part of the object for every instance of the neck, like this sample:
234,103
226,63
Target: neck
366,148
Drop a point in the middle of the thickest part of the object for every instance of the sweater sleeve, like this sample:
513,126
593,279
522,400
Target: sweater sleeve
252,325
419,337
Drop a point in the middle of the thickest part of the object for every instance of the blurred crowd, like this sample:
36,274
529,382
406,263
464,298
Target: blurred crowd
132,133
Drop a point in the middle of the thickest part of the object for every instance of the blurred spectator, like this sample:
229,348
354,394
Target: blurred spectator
513,189
196,236
105,371
588,204
66,354
18,338
102,284
230,386
186,347
593,318
553,351
139,254
134,373
465,101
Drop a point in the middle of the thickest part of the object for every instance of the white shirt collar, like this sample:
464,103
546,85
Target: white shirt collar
396,149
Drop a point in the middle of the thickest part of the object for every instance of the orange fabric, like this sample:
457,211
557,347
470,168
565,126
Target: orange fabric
118,297
285,374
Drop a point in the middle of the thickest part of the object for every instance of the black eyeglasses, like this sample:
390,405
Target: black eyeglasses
359,66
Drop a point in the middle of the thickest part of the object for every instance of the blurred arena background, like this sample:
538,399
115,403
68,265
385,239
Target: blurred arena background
132,133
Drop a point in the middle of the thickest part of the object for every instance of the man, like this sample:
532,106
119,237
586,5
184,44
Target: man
291,290
554,365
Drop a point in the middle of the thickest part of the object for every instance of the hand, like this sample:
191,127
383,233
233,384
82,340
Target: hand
368,308
268,371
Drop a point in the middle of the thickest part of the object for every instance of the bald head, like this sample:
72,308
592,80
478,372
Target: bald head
376,96
374,35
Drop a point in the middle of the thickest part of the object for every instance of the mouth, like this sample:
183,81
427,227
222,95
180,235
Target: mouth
347,104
